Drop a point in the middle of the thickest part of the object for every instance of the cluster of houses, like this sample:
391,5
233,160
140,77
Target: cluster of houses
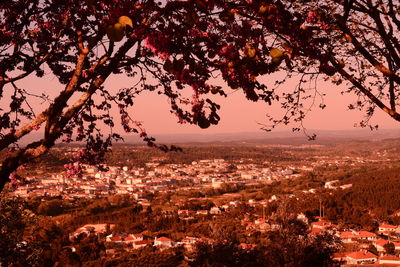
362,240
361,243
356,243
153,178
132,241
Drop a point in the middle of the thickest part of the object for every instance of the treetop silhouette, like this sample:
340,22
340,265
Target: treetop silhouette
182,45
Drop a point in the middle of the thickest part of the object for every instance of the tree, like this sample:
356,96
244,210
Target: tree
51,208
352,41
24,237
389,248
173,47
13,245
288,246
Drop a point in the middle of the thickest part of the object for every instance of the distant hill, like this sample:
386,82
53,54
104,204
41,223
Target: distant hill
261,137
275,137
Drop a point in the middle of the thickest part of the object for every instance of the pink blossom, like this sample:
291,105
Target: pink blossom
311,17
197,33
158,43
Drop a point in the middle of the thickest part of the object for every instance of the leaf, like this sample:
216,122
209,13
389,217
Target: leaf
192,18
124,20
168,66
201,5
226,16
203,123
214,90
178,65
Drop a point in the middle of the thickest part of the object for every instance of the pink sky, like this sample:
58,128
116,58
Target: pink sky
241,115
237,113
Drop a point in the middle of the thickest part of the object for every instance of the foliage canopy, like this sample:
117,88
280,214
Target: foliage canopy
182,45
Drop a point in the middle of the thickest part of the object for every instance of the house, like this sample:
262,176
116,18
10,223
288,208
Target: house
350,236
215,211
114,238
183,212
246,246
138,237
361,257
263,227
302,217
163,242
389,259
379,244
330,184
316,231
91,228
188,242
140,244
202,212
250,226
346,237
274,226
225,207
365,235
129,239
124,238
260,221
386,229
321,224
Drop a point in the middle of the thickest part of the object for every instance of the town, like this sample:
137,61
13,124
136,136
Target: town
175,204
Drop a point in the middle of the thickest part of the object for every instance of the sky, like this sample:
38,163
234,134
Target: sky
237,113
241,115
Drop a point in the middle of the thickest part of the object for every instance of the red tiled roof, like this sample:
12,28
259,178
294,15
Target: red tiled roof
366,234
390,258
322,223
247,246
361,255
339,255
385,225
129,238
316,231
345,235
115,238
163,239
381,242
141,242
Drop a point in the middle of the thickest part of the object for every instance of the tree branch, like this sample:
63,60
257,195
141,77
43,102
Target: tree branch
36,149
363,51
365,91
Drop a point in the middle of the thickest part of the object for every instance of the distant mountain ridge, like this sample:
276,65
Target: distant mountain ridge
261,137
276,137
